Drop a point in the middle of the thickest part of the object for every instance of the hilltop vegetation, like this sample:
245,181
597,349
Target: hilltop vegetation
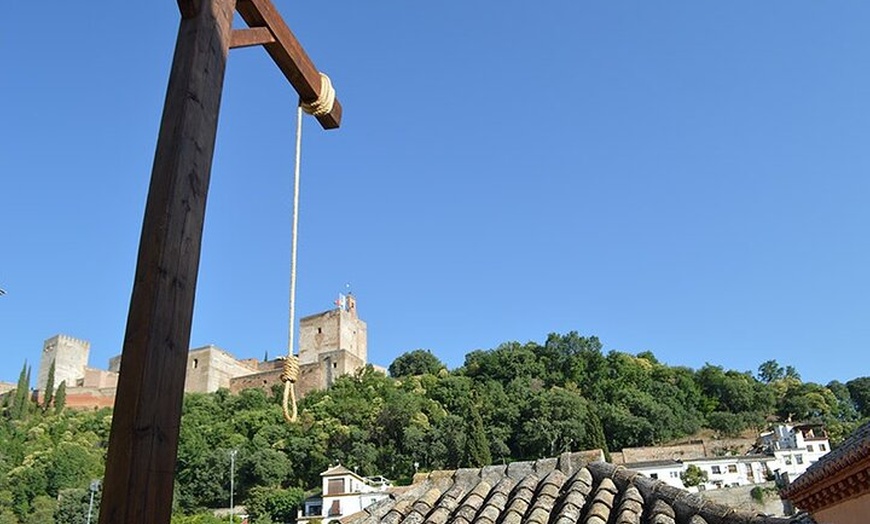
515,402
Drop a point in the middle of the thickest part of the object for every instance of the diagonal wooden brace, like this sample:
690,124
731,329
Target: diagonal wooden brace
288,55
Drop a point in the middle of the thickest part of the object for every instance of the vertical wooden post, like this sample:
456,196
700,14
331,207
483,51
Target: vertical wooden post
144,439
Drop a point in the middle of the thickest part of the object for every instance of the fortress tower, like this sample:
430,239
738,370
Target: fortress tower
331,344
338,329
334,342
70,357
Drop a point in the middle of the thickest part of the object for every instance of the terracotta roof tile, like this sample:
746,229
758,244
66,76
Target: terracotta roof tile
851,451
563,490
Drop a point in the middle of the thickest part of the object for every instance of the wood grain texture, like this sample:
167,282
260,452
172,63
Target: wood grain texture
289,55
144,439
251,37
188,8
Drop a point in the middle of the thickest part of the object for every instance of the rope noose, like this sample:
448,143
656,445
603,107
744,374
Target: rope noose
290,373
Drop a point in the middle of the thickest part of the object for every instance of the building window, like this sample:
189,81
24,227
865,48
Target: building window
320,330
716,470
334,486
653,475
732,468
335,509
799,458
195,363
788,460
822,447
810,448
675,474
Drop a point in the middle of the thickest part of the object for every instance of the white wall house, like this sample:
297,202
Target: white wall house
668,471
732,470
795,447
721,472
343,493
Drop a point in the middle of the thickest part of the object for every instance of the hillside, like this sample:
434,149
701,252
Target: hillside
514,402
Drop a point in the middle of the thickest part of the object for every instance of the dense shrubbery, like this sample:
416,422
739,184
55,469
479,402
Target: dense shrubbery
515,402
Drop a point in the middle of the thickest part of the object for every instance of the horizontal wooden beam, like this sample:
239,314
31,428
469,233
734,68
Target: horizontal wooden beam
251,37
288,55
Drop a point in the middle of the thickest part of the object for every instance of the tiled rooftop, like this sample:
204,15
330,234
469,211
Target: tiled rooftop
852,452
560,490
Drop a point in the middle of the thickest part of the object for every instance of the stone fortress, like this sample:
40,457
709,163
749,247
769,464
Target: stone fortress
331,344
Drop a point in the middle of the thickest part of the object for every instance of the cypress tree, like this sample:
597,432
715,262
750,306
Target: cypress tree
595,434
477,447
48,394
19,403
60,397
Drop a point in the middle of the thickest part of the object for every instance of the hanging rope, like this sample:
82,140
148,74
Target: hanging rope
290,373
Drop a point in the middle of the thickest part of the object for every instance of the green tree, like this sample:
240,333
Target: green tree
859,390
727,424
624,429
72,506
200,518
7,516
417,362
21,397
278,505
42,512
477,451
60,398
48,394
263,467
555,422
693,476
770,371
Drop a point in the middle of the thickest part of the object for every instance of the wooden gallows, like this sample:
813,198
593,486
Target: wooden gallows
144,438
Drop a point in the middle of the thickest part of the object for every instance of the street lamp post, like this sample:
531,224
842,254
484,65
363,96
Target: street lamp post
95,486
232,483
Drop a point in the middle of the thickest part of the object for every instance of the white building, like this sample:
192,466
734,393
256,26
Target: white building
343,493
668,471
733,470
795,447
722,472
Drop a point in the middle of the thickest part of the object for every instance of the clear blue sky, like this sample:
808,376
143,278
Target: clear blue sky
689,178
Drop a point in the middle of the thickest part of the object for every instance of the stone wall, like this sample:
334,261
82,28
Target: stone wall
90,398
70,357
682,452
261,380
740,497
312,377
210,368
99,378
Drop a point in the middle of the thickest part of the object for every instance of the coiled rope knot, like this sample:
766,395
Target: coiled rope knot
289,376
323,104
290,373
